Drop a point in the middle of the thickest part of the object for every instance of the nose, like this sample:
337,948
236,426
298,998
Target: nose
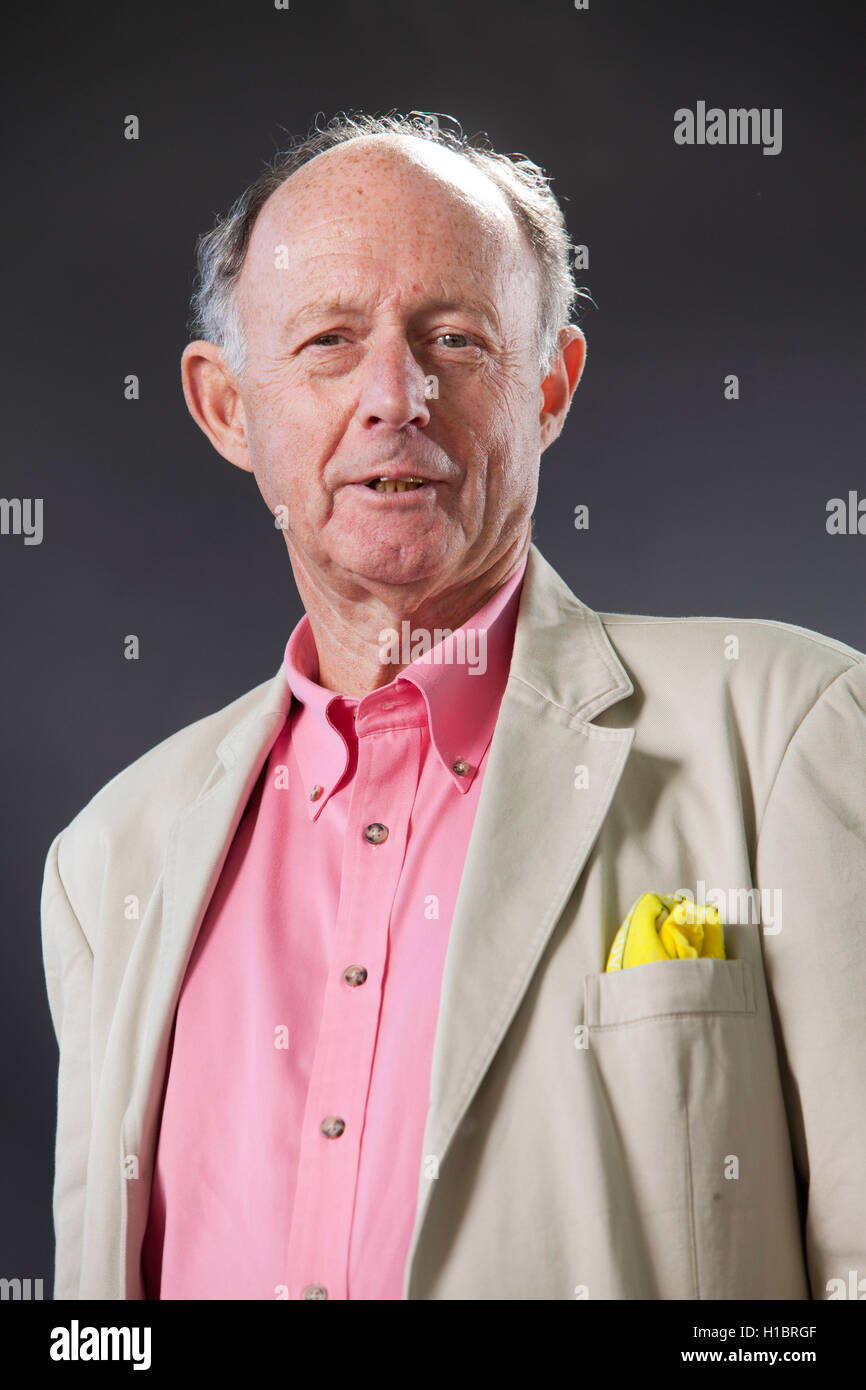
394,386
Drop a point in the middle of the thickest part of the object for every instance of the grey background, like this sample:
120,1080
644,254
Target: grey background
702,262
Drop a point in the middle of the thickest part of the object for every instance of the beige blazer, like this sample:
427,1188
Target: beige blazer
683,1130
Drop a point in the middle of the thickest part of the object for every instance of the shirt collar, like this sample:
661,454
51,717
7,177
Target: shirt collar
461,680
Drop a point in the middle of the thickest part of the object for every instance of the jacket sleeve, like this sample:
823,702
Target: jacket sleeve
811,850
68,962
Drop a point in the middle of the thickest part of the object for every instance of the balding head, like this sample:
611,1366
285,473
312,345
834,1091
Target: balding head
222,252
403,205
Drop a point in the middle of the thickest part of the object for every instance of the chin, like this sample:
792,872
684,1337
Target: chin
384,562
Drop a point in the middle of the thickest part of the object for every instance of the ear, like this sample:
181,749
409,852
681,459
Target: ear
560,384
212,395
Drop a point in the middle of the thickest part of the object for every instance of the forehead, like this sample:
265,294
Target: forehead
396,209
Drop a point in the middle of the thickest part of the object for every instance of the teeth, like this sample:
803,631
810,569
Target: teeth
396,484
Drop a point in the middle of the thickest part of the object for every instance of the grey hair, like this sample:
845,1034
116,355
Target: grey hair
221,252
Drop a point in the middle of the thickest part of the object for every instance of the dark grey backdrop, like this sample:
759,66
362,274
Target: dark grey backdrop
703,262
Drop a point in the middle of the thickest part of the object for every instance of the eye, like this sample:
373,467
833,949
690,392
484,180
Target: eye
461,339
320,341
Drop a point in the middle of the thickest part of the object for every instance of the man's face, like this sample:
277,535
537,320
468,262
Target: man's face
391,316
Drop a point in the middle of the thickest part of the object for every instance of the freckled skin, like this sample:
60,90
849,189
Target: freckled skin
402,263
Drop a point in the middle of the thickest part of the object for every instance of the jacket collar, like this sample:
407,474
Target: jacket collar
561,650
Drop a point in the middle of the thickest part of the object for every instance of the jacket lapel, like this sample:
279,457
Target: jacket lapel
197,846
532,834
202,836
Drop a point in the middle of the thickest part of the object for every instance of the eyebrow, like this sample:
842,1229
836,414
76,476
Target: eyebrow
449,303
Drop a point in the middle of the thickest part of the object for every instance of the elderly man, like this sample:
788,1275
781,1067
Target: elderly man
331,970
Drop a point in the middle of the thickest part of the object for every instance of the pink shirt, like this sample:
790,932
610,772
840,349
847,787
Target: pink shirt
290,1149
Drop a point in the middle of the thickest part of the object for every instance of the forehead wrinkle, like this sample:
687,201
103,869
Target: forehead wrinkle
358,301
312,277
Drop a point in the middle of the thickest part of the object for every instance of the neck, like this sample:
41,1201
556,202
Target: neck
347,620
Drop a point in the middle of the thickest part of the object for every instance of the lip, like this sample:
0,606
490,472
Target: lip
424,493
392,475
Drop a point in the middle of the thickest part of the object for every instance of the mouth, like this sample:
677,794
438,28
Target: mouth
408,484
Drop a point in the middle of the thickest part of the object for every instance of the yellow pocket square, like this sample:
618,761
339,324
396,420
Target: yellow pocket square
666,926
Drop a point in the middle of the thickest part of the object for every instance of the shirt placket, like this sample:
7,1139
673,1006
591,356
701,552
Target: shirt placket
383,790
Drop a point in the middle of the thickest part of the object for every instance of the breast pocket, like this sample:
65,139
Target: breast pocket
684,1081
668,989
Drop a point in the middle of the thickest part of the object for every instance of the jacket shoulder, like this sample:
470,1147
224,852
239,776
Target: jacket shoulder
132,813
752,681
766,644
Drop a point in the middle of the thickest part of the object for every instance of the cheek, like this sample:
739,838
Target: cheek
506,410
513,452
290,434
506,440
480,422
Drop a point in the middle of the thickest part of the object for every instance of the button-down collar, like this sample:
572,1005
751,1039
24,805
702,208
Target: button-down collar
456,687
